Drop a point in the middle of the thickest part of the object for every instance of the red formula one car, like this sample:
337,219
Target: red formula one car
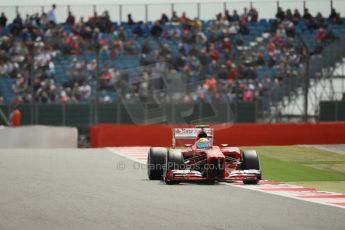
201,161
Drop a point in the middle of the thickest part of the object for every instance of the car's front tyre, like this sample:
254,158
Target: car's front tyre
155,162
174,160
250,160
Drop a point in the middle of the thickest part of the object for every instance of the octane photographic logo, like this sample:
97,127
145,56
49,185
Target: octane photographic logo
159,94
171,165
122,166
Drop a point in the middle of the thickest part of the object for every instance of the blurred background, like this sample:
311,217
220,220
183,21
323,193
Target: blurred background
134,62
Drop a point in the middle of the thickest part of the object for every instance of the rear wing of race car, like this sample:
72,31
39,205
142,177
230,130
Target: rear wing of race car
190,134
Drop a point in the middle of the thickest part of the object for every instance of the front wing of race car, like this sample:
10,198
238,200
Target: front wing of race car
196,176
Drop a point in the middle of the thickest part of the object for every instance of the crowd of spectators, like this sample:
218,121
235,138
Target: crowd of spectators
203,56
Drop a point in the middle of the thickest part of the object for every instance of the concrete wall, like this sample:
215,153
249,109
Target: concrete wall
38,137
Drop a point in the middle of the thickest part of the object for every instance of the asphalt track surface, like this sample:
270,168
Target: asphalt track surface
96,189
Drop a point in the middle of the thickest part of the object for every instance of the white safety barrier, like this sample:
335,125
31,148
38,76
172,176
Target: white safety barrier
38,137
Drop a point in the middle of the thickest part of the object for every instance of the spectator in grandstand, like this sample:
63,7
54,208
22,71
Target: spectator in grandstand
15,116
156,30
70,19
234,28
309,19
248,72
253,14
227,15
280,15
33,20
142,29
334,17
130,48
200,38
288,15
289,28
232,71
145,47
144,87
319,20
223,73
122,34
235,17
296,16
52,15
187,36
92,65
17,25
184,20
330,36
85,91
130,20
102,22
17,100
20,84
42,96
138,29
164,19
319,38
63,97
75,93
245,14
145,60
3,20
44,20
76,69
196,24
174,17
307,16
72,44
106,24
174,33
247,94
243,26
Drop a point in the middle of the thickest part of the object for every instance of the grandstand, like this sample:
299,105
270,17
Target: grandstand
234,58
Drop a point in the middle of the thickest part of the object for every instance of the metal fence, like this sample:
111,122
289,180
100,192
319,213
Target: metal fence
153,11
298,98
132,113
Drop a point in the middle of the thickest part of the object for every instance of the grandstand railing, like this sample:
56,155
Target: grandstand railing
153,11
320,67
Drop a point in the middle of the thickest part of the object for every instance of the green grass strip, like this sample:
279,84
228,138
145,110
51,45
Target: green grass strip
285,171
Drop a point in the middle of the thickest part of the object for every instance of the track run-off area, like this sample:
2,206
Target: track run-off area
109,189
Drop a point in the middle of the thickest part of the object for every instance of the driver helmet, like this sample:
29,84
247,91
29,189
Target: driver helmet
202,143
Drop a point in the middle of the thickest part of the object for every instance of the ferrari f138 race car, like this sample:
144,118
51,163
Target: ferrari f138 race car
201,161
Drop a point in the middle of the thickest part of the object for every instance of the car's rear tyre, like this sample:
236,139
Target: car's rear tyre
155,162
250,160
174,160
